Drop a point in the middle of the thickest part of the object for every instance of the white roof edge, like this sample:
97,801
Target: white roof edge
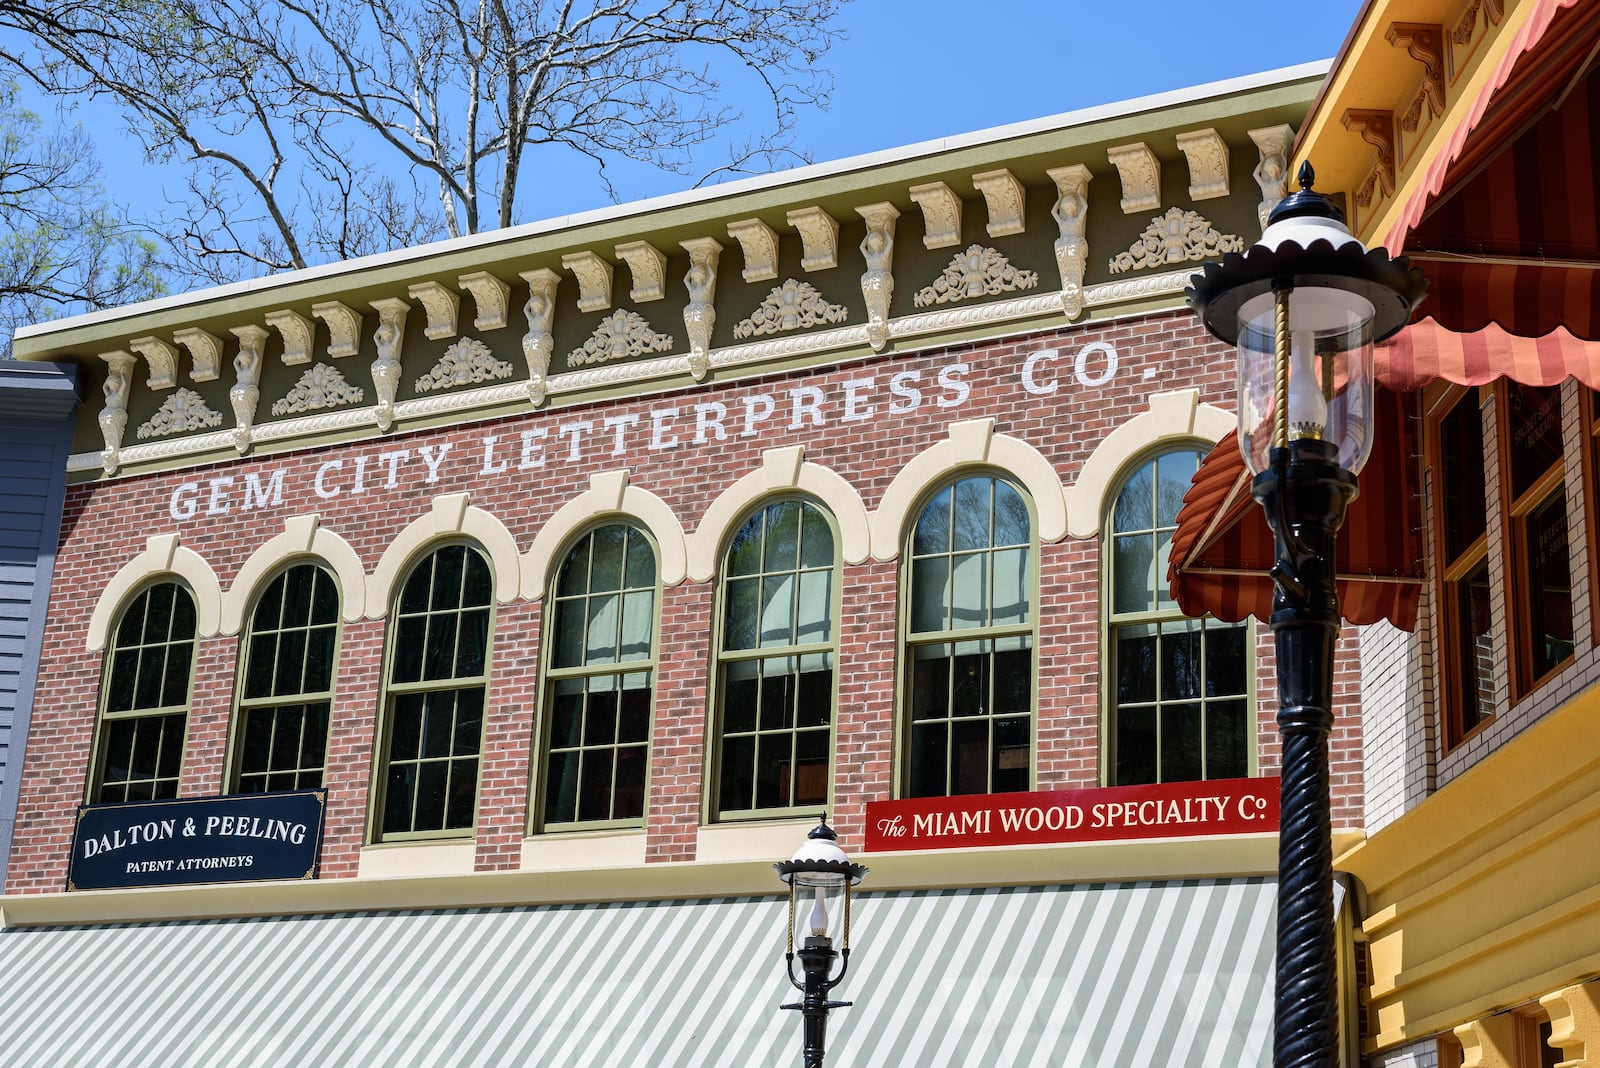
755,183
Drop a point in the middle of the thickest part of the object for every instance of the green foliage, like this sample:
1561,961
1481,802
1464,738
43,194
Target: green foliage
64,247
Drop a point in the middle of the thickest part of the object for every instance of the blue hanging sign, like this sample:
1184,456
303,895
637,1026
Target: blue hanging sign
242,838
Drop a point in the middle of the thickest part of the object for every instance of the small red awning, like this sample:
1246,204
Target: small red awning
1223,548
1426,351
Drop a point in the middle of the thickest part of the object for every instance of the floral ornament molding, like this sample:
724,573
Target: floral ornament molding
180,413
245,393
621,335
321,387
1175,237
977,272
794,305
466,363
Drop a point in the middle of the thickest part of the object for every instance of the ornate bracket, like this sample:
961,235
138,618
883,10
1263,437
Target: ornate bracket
162,357
648,265
205,352
1272,173
1140,172
114,416
491,296
594,280
699,316
941,214
877,285
442,305
344,327
538,343
819,236
389,337
1006,200
1207,154
1071,212
759,243
298,334
1376,129
1423,42
245,394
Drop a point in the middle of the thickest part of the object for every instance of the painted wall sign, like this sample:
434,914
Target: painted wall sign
247,837
1172,810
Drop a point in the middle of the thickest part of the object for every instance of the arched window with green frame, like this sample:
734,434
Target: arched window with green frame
1179,701
599,681
438,677
144,704
286,682
969,641
776,663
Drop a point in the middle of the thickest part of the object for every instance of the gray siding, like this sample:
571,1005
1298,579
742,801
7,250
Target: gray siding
36,402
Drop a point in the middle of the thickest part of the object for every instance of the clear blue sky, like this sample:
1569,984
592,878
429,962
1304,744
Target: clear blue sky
914,70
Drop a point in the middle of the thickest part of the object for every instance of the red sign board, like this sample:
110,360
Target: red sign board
1115,813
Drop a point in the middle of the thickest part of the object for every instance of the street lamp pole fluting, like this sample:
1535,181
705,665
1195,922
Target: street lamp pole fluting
1304,306
819,877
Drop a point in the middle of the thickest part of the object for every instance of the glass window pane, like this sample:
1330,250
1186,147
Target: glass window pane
574,575
291,663
1534,415
152,666
297,583
175,677
438,724
777,693
1462,486
1549,584
737,778
1476,649
969,592
269,610
433,782
816,539
1227,739
462,802
811,768
628,788
158,620
1225,659
814,699
815,610
183,617
929,758
602,629
641,567
744,555
606,566
1135,653
566,714
1011,768
319,659
399,798
1136,746
1175,471
131,627
740,690
783,537
969,525
561,787
447,570
633,723
1135,507
1132,560
594,795
933,526
324,599
777,610
774,770
405,736
439,653
1180,660
930,682
1013,683
969,756
569,633
739,618
1012,585
414,594
638,622
468,740
930,594
600,717
1180,743
1011,523
472,644
124,673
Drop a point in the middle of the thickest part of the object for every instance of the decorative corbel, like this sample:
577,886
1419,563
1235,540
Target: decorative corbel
594,280
877,285
539,342
344,327
389,336
1575,1022
1071,213
114,416
759,243
1006,200
205,353
1272,173
699,316
1489,1043
648,266
162,356
491,296
1376,128
819,238
245,393
1207,154
443,307
298,334
1423,42
1140,172
941,214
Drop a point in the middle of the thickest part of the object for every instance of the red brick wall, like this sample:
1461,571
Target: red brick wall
107,523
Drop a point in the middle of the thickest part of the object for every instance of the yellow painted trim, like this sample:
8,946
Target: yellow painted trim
972,444
449,516
1487,894
1187,858
302,536
608,495
1173,419
162,555
782,470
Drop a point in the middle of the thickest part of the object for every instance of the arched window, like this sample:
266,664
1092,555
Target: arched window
969,641
286,683
600,680
438,673
775,664
145,706
1180,697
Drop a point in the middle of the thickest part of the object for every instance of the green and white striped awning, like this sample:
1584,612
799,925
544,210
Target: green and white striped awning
1147,974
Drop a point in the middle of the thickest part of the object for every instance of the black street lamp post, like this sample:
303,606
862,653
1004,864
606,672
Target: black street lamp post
1304,307
819,876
